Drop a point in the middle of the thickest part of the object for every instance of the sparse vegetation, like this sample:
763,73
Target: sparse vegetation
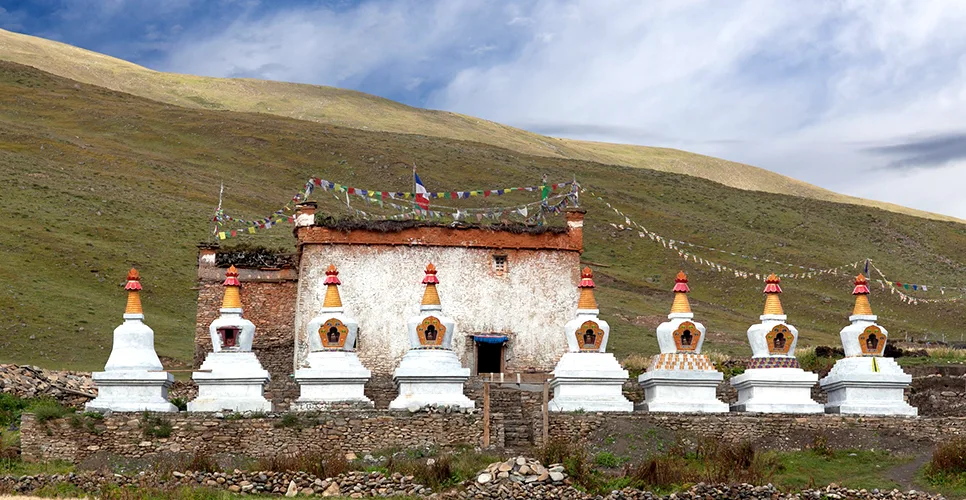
100,149
155,426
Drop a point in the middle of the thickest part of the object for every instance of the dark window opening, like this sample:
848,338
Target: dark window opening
431,333
229,337
780,341
333,335
686,337
872,342
489,358
499,263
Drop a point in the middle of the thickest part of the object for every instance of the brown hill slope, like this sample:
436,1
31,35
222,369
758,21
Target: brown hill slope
94,181
363,111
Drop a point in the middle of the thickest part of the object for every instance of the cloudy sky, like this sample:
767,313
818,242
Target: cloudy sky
862,97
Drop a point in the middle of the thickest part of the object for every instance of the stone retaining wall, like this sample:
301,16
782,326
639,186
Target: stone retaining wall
75,439
781,432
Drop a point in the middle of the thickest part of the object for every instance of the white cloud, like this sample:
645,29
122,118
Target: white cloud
802,88
807,89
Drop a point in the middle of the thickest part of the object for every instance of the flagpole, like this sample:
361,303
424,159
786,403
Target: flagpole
414,190
214,225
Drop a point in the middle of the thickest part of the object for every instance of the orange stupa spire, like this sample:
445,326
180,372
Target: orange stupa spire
232,298
773,305
133,288
681,304
332,298
861,292
430,296
586,300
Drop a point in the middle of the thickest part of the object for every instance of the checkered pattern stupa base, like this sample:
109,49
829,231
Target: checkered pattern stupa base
681,361
777,362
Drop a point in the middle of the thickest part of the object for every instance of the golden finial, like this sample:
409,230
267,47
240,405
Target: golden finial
430,296
133,288
332,298
586,300
681,304
232,298
773,305
861,292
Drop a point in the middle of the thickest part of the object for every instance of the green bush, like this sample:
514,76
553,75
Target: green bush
47,409
181,403
289,421
607,459
155,426
10,409
948,460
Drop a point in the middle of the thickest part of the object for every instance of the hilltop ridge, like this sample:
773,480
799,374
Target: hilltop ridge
348,108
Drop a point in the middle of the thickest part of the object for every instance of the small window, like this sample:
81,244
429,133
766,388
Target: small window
499,264
229,337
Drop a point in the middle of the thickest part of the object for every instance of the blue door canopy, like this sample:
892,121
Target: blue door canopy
490,339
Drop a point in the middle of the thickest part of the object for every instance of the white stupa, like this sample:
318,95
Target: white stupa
865,382
430,373
681,379
774,382
332,372
231,378
588,377
133,379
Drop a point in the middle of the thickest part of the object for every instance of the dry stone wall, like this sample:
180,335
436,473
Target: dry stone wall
345,431
781,432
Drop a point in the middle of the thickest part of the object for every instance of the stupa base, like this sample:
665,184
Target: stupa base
589,381
131,391
682,391
236,382
332,378
867,386
776,390
430,377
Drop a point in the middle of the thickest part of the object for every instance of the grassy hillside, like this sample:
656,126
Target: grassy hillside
362,111
95,181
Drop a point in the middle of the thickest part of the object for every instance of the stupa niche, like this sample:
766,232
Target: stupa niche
865,382
132,379
430,373
774,382
231,378
332,372
680,378
588,378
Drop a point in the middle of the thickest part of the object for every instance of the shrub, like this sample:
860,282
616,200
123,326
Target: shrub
181,403
607,459
155,426
47,409
949,458
320,464
727,462
663,471
289,421
10,409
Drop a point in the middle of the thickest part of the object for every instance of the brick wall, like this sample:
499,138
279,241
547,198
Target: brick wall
270,305
342,431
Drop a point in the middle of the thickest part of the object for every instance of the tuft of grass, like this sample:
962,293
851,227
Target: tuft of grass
290,420
47,409
636,364
155,426
322,465
180,403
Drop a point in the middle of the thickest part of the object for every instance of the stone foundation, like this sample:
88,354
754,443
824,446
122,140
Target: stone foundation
780,432
359,432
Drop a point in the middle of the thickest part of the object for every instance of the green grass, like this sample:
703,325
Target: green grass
96,182
855,469
17,467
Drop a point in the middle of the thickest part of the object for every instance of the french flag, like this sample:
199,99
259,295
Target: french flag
421,196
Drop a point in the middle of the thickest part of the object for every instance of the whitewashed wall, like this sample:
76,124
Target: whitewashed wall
381,288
